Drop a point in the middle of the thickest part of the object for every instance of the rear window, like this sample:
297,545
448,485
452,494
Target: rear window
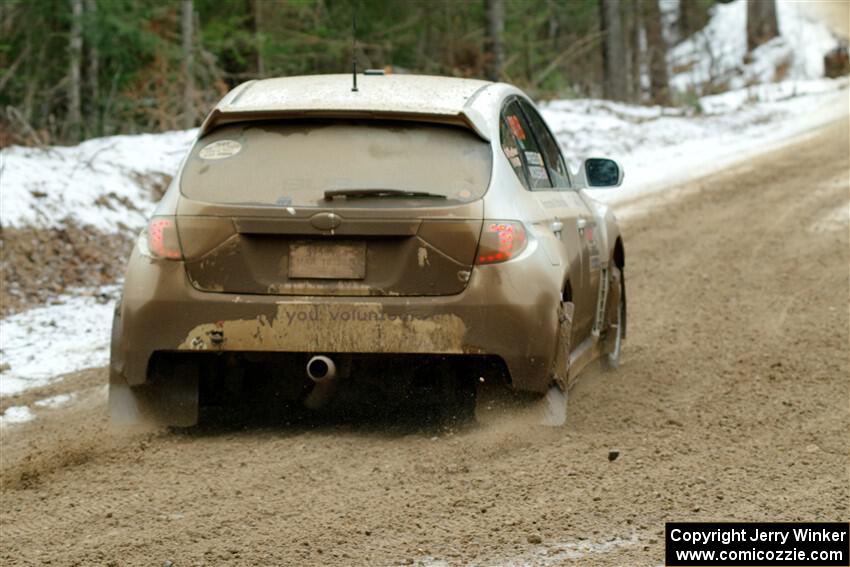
294,163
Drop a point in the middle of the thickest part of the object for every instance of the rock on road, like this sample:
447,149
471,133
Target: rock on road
731,404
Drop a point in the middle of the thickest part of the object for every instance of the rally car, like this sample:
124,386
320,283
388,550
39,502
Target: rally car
418,234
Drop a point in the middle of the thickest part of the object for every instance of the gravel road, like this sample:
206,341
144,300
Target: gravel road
731,404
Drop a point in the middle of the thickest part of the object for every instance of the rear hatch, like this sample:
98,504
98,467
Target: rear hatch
333,207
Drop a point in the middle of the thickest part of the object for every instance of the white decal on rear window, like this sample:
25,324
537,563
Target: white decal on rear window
533,158
220,149
537,172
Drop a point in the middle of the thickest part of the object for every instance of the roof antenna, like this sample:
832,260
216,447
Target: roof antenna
354,49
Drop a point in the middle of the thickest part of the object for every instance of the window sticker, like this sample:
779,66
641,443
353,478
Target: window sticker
538,172
515,161
516,127
510,151
220,149
533,158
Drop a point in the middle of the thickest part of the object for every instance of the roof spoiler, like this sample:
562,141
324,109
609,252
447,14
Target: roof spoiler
466,119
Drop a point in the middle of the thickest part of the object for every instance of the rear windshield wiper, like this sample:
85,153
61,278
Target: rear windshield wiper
379,193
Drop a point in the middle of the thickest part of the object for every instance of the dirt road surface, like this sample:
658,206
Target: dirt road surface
731,404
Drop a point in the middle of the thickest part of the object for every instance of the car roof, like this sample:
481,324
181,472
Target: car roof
384,93
442,98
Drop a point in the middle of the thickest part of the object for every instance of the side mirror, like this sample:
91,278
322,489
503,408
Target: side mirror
602,172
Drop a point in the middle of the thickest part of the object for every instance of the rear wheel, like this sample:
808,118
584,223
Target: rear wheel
496,402
611,360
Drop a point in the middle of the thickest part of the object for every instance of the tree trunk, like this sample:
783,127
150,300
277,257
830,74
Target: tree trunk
188,65
93,77
614,57
761,22
423,48
6,11
636,63
493,48
554,27
75,50
658,80
256,17
683,22
526,54
448,38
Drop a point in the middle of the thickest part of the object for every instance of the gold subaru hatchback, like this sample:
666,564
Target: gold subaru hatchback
420,236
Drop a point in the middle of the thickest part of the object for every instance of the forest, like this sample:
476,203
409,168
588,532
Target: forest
76,69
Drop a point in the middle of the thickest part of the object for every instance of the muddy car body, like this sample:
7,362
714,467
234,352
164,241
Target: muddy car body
416,223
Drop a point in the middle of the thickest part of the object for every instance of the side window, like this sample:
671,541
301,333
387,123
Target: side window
515,127
511,150
551,152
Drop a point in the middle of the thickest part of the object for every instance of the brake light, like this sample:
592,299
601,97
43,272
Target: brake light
501,241
162,238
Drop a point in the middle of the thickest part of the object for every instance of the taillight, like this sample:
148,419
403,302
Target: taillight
501,241
162,238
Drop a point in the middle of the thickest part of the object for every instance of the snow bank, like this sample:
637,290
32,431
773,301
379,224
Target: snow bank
659,147
716,57
16,414
71,334
101,182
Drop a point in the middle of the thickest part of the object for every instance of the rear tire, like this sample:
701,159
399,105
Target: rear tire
611,360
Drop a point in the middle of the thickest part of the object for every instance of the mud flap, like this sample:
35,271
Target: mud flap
561,364
551,409
171,400
495,401
496,404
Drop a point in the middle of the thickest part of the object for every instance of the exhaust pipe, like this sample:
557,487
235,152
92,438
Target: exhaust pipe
320,369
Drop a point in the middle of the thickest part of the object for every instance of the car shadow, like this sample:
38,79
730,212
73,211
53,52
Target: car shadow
401,418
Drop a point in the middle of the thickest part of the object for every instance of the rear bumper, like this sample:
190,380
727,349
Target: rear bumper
507,310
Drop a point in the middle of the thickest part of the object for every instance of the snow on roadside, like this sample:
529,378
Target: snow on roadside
94,183
69,335
56,401
717,57
659,147
16,414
